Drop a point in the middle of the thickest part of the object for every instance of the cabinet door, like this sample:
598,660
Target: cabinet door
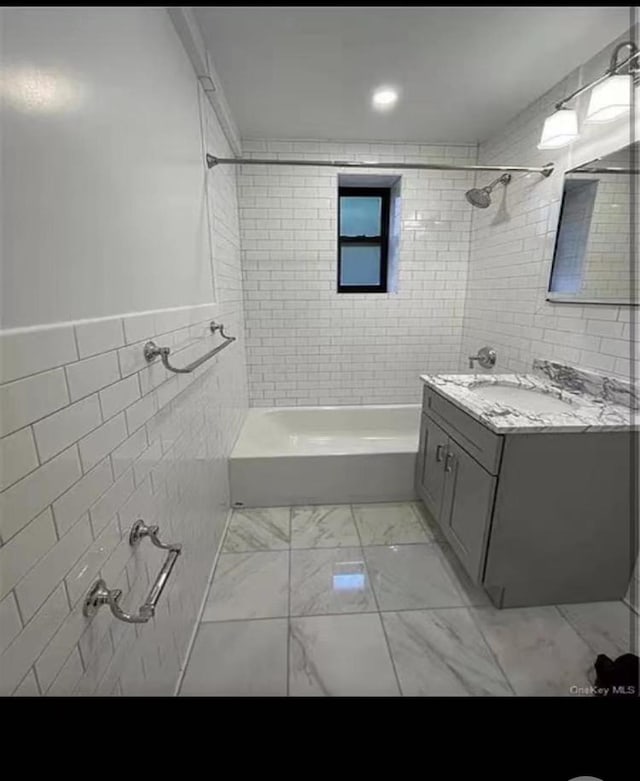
430,465
467,506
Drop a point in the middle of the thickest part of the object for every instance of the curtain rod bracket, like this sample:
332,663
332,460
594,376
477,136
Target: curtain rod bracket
211,160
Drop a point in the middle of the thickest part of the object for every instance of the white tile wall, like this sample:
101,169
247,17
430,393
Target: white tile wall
98,336
512,247
29,351
86,377
18,456
307,344
94,444
27,400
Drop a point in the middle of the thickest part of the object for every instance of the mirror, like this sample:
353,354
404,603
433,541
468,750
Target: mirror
592,256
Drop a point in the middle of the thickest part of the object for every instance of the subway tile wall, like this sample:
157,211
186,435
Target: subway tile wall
94,438
512,247
307,344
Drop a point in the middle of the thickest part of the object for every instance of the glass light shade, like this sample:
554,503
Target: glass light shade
610,99
560,129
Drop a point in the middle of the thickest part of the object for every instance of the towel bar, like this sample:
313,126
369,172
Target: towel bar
151,351
100,594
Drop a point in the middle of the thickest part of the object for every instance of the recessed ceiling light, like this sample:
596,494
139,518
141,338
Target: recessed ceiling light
384,98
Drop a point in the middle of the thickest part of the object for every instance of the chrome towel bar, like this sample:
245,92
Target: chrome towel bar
99,594
151,351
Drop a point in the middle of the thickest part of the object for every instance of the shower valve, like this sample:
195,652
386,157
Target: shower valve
486,357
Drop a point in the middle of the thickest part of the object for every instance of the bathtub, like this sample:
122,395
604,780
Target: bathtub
325,455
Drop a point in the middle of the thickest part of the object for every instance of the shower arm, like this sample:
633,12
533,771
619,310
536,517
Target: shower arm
504,179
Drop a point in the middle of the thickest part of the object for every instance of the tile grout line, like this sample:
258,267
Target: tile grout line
198,622
375,599
430,543
374,611
472,612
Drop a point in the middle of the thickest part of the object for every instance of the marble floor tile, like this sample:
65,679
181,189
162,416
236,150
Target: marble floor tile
329,581
249,585
258,529
432,528
238,658
389,524
340,656
605,626
410,577
442,653
539,651
325,526
471,593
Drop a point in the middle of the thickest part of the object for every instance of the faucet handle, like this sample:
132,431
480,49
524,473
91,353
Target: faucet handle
486,357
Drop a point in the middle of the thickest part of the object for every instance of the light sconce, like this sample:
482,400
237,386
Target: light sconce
610,99
559,129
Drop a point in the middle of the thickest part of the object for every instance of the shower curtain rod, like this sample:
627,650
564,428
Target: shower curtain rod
545,170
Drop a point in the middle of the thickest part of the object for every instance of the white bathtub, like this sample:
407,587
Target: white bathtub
325,455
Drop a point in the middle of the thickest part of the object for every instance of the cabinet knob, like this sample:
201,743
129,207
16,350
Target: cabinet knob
448,464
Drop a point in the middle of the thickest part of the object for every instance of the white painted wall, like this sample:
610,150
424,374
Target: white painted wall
512,247
92,436
308,344
102,166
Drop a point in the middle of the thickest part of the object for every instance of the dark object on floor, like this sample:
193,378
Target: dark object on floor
619,678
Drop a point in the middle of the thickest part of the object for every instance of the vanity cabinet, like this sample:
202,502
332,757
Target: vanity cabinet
534,518
430,464
457,491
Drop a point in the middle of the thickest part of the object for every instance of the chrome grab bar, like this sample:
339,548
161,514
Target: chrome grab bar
100,594
151,351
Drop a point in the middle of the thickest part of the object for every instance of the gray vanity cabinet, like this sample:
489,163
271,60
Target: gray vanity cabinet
465,512
430,464
534,518
457,491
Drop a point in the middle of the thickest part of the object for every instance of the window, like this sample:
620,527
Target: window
363,239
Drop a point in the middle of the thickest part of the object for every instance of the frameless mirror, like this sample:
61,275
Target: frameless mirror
592,260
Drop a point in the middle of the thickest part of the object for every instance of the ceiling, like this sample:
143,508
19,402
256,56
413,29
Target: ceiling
462,72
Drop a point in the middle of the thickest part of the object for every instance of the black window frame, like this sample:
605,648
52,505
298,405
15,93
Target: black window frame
382,241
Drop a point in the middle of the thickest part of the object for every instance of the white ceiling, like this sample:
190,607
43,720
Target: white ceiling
308,72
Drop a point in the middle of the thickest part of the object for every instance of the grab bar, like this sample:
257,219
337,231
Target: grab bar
151,351
99,594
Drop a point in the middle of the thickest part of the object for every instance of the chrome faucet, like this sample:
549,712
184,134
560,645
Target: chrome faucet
486,357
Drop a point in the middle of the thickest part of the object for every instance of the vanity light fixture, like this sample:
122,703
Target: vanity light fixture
610,99
560,129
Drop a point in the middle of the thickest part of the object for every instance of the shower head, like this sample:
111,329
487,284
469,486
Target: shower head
481,196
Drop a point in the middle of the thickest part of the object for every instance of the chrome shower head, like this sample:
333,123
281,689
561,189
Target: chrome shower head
481,196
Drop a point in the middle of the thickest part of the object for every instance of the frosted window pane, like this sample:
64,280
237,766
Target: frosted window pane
360,265
360,216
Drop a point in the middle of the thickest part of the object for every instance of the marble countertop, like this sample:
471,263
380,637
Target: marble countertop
590,411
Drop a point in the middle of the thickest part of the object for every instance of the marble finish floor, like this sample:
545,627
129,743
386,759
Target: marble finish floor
368,600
